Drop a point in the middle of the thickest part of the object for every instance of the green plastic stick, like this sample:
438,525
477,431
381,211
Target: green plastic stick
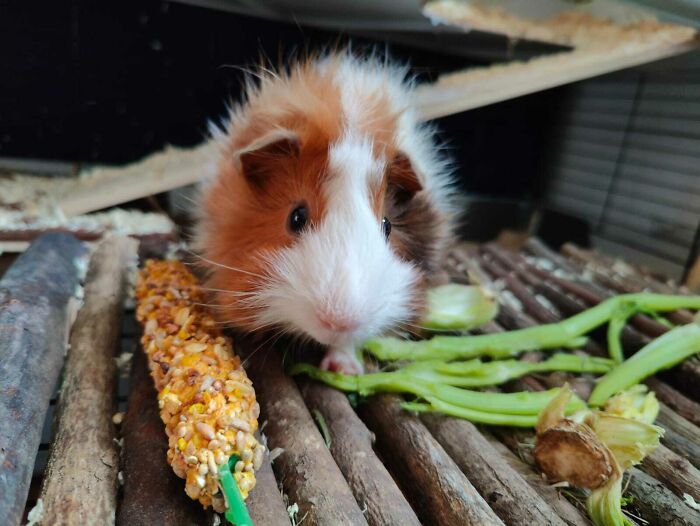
566,333
236,513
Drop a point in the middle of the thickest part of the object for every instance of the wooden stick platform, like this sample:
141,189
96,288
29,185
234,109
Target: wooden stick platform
333,462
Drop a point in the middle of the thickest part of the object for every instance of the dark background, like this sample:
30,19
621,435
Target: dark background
110,82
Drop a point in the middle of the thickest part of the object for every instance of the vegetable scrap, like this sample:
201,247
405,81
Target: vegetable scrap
587,445
206,400
591,449
568,333
458,307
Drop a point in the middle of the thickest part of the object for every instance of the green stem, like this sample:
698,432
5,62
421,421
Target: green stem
479,417
525,403
617,323
474,373
236,513
661,353
566,333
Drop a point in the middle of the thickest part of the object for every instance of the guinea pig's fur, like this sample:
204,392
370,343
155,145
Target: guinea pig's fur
338,135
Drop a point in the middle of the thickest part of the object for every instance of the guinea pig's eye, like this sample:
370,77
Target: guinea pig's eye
386,227
298,219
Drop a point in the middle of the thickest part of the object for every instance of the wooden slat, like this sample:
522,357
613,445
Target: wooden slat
515,502
351,447
569,513
35,313
81,475
264,502
438,490
305,468
657,503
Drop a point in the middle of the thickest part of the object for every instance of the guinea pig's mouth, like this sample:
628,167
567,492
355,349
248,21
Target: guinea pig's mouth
335,338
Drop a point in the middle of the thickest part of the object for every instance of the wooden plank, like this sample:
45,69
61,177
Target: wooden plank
438,490
305,468
162,171
80,482
479,87
351,447
35,312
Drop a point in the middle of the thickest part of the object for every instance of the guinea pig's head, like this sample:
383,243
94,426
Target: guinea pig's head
327,209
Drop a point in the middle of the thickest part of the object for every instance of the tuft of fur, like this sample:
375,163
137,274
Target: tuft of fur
337,134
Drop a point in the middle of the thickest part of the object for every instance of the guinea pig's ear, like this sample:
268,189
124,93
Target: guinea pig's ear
258,158
403,178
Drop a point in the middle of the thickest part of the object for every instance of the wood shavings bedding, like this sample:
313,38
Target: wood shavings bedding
569,28
15,225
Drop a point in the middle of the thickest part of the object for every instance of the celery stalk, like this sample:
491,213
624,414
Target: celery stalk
566,333
617,323
525,403
474,373
479,417
661,353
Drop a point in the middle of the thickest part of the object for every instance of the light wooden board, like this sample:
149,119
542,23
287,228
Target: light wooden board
474,88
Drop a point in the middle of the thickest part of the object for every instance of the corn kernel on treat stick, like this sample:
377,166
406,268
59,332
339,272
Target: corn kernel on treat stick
205,398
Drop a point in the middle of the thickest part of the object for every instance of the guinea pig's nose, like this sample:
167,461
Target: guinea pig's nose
336,322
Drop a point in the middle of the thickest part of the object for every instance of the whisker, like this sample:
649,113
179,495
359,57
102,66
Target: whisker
231,292
221,265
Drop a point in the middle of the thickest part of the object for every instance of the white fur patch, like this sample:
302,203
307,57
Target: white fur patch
343,268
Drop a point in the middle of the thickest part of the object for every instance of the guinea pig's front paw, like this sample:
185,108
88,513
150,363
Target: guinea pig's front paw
342,361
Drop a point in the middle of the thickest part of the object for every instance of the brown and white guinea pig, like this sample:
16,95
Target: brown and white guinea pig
329,207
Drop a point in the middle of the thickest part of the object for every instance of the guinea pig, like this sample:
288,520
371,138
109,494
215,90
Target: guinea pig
329,208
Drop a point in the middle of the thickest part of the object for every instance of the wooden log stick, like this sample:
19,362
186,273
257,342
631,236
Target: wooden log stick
36,306
588,291
465,263
508,494
678,405
305,468
634,279
539,249
152,493
518,289
570,514
351,447
688,448
80,482
686,377
439,492
265,503
676,472
657,504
